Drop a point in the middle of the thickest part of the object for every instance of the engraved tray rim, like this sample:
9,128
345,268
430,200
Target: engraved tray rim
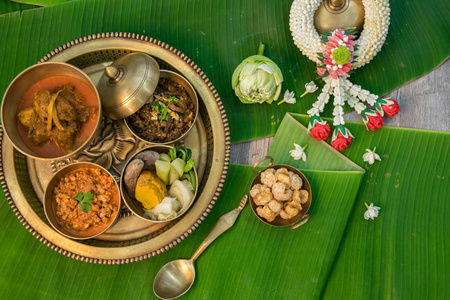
23,209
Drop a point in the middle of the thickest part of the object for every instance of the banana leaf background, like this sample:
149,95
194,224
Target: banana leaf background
218,35
403,254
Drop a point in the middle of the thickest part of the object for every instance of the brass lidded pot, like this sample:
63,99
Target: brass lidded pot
128,84
333,14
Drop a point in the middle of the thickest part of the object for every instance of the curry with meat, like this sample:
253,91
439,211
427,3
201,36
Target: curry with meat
77,214
56,116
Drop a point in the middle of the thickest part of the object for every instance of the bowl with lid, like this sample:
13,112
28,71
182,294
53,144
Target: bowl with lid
51,111
158,106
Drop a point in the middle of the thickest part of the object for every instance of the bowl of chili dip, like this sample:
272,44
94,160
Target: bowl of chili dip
82,201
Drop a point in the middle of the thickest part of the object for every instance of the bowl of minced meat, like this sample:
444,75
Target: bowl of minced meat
82,201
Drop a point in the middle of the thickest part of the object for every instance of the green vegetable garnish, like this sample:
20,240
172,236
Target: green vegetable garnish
172,99
189,165
85,200
173,152
185,154
161,109
192,177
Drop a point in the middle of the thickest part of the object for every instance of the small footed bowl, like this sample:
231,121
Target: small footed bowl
50,208
34,76
192,94
134,205
302,217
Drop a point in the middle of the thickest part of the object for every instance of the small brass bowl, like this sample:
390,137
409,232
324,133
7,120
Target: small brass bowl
302,217
49,207
20,85
134,205
192,94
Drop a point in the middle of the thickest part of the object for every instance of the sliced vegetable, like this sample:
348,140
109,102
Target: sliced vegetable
173,175
164,157
179,164
182,191
166,210
150,190
56,120
162,170
50,111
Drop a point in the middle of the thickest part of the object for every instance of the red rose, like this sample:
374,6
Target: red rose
372,119
341,143
319,129
320,132
391,108
341,138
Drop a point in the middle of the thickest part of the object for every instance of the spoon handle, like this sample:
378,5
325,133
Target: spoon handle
224,223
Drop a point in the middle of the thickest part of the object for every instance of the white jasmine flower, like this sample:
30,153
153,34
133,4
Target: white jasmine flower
338,120
371,156
371,212
313,111
289,97
323,97
310,88
298,152
319,105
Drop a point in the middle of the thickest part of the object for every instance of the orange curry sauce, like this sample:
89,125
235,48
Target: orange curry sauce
50,149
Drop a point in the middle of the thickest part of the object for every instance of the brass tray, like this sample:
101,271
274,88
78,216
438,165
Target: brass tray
130,239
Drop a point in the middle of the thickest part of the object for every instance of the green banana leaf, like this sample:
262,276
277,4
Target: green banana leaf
7,6
42,2
404,252
337,254
218,35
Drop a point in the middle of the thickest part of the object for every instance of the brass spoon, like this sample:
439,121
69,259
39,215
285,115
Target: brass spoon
176,277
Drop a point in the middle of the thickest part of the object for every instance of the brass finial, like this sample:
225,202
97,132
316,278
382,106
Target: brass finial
112,73
333,14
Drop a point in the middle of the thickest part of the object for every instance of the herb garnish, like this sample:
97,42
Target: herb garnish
183,153
172,99
161,109
85,200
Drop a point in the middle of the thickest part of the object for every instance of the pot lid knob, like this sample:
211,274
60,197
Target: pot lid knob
113,73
